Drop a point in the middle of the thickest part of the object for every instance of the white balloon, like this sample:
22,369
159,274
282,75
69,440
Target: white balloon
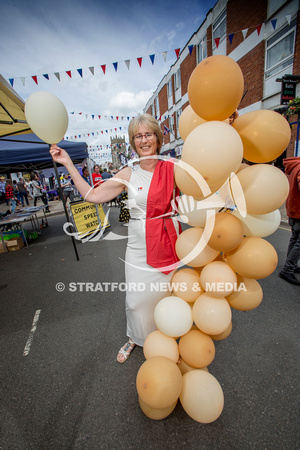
260,225
47,116
173,316
194,212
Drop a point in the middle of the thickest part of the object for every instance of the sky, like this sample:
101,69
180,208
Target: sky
42,36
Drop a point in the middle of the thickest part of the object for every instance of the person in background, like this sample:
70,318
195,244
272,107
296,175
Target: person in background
106,175
10,195
2,190
96,175
85,175
22,191
38,192
292,169
67,188
16,192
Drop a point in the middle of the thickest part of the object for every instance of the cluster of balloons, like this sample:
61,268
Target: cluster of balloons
225,251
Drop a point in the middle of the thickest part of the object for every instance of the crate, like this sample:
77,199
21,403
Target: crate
15,244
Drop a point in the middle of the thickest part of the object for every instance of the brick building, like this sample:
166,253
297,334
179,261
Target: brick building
262,36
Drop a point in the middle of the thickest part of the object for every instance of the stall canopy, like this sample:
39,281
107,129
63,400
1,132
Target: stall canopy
28,152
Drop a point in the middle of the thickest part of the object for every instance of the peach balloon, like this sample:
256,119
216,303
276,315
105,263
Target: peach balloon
188,121
186,284
156,414
224,335
159,382
260,225
216,87
158,344
211,314
201,397
187,183
218,278
248,296
227,232
265,188
173,316
265,135
184,367
215,150
192,249
197,349
253,258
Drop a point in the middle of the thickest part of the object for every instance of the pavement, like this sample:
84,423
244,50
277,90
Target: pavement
68,391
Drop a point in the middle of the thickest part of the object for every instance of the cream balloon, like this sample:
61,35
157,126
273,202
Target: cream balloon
192,249
188,121
47,116
265,188
173,316
201,397
194,212
215,150
260,225
218,278
211,314
158,344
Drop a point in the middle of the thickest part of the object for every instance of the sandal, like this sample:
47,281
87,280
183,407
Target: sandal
125,351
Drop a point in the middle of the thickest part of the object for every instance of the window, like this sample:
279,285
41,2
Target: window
152,110
170,91
177,79
219,28
157,106
280,50
202,49
178,114
171,127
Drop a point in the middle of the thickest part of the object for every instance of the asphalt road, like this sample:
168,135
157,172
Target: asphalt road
68,391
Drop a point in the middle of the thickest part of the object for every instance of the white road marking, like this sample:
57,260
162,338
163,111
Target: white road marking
31,334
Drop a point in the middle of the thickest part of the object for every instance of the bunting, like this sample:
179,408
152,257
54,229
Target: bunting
80,71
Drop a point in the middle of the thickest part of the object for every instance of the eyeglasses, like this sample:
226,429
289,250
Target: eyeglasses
148,136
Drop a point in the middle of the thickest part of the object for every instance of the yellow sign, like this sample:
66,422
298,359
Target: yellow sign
86,219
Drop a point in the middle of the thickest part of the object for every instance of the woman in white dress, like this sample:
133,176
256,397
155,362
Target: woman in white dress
146,267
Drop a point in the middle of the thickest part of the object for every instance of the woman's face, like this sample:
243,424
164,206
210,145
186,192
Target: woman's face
97,169
145,146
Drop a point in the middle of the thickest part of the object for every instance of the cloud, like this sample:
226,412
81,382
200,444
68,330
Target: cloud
129,101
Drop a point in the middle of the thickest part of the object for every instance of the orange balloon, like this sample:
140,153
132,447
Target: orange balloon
158,344
247,296
212,315
253,258
188,121
227,233
224,335
186,284
192,249
216,87
159,382
156,414
265,135
218,278
184,367
197,349
265,188
215,150
202,397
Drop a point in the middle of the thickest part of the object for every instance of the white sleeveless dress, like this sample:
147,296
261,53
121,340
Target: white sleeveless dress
146,286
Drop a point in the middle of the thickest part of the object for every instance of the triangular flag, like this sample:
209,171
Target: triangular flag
99,117
57,75
217,42
68,72
139,60
152,58
34,77
23,80
190,47
46,76
80,72
115,64
274,22
177,51
230,37
288,18
93,116
127,62
103,68
11,80
117,117
258,28
164,55
245,31
92,70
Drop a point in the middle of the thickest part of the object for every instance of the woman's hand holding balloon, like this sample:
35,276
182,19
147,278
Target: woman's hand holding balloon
60,156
